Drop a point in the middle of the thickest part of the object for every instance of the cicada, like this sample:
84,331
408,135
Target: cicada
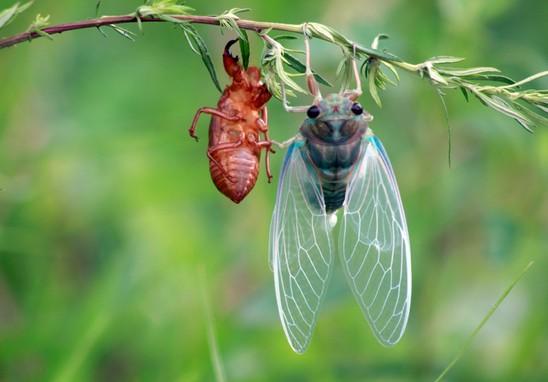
235,141
336,163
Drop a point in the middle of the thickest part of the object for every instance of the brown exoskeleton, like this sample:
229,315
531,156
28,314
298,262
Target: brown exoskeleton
235,141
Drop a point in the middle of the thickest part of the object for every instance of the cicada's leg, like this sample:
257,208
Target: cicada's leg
285,144
262,124
291,109
211,111
310,80
354,94
219,147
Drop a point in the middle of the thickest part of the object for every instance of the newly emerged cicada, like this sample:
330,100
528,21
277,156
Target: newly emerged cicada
235,141
336,163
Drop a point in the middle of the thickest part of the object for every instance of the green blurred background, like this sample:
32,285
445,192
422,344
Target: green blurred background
109,220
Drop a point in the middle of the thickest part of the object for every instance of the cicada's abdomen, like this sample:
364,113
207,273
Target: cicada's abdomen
235,172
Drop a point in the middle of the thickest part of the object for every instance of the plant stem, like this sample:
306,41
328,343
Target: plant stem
257,26
491,311
430,69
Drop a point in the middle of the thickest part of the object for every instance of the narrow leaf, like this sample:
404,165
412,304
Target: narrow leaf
123,32
467,72
284,37
244,47
464,93
9,14
199,44
374,67
444,59
393,70
491,77
299,67
378,38
528,79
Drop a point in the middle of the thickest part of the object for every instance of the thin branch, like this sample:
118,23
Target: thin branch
482,82
257,26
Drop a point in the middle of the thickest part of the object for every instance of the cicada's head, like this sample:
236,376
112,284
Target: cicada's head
336,118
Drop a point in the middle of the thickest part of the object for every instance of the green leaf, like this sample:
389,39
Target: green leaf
244,48
394,72
467,72
163,7
444,59
123,32
299,67
372,69
491,77
9,14
464,93
528,79
199,46
500,105
284,37
378,38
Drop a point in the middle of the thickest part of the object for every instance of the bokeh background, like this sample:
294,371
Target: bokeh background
113,238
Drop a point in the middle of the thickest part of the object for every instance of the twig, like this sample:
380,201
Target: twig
527,107
256,26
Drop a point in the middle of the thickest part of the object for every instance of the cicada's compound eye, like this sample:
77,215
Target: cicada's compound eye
313,111
357,108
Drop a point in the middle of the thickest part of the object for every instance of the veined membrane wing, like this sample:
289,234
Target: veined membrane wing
374,244
301,249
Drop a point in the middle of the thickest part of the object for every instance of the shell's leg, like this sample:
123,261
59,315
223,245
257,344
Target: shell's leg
262,124
232,68
268,146
219,147
211,111
354,94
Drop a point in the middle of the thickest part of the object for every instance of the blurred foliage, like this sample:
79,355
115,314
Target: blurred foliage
107,211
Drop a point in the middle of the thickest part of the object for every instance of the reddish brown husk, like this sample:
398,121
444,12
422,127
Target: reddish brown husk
235,130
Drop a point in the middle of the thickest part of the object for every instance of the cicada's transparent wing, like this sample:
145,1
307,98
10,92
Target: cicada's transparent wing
374,244
300,248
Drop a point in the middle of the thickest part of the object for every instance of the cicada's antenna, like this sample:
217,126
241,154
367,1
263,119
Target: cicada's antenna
354,94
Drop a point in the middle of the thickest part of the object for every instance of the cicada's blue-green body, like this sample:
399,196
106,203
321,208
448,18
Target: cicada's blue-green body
332,141
336,163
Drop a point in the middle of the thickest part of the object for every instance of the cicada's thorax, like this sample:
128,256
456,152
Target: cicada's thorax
333,143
